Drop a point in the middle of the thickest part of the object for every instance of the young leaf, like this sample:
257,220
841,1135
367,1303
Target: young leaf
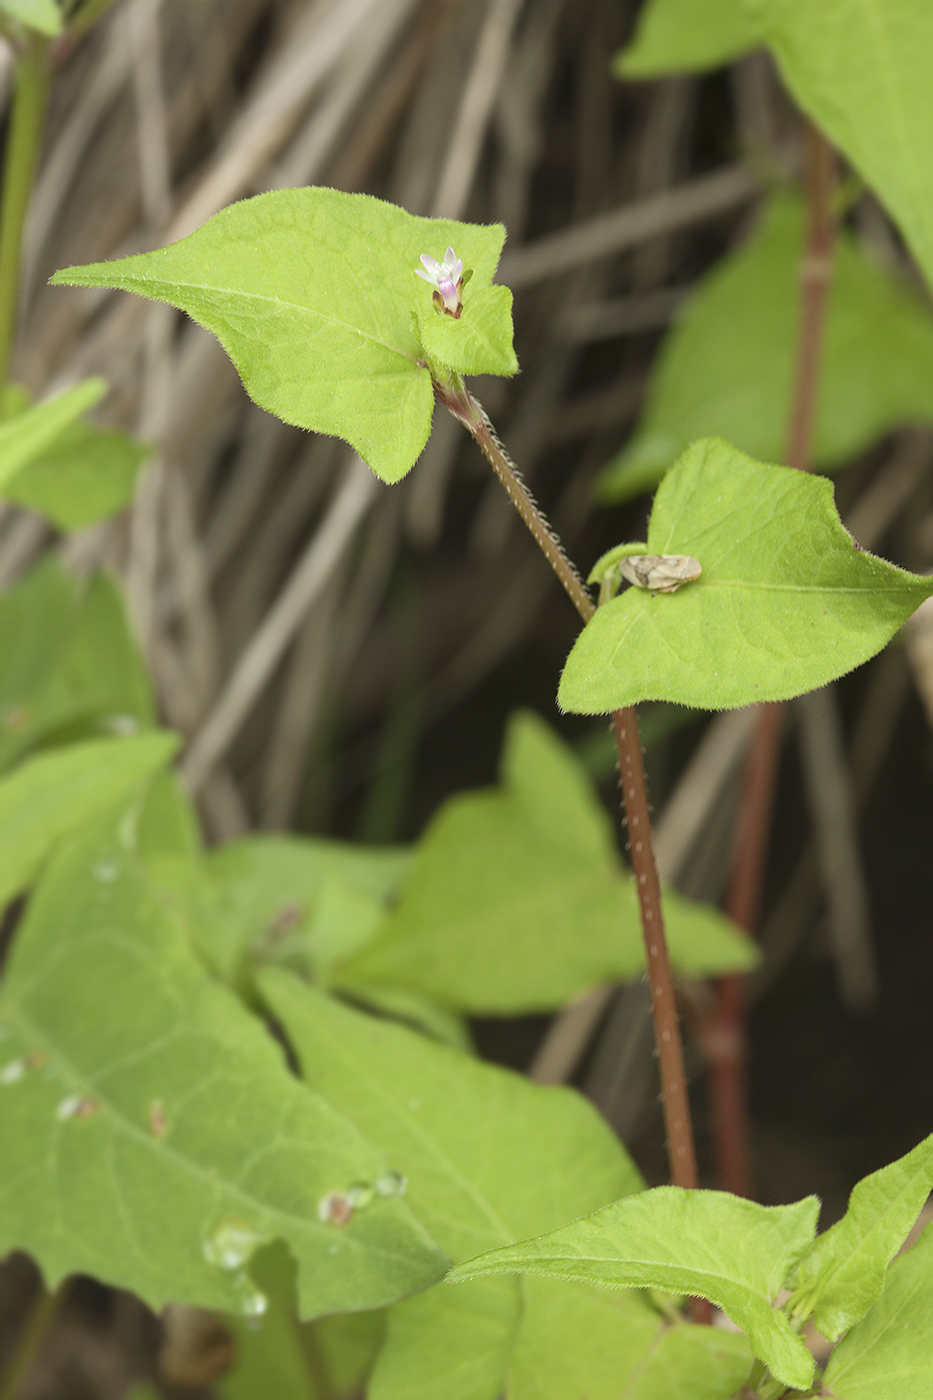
734,1252
843,1271
29,434
889,1354
313,294
518,901
41,15
153,1135
486,1156
578,1341
88,474
679,36
480,342
859,69
49,797
726,369
786,601
67,662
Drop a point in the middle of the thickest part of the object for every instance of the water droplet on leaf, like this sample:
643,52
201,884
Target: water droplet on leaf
76,1106
391,1183
16,1070
231,1243
13,1072
252,1302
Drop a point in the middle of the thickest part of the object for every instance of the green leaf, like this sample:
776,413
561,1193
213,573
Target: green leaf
859,69
153,1135
480,341
786,601
612,556
307,901
889,1354
843,1271
518,900
55,794
347,1345
42,15
270,1360
487,1157
28,435
708,1243
324,1360
416,1011
67,659
628,1352
88,474
167,823
726,369
442,1348
313,294
681,36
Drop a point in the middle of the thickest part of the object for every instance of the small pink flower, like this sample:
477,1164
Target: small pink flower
446,278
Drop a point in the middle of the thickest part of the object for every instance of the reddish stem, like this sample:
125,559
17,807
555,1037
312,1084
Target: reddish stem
723,1037
680,1148
815,275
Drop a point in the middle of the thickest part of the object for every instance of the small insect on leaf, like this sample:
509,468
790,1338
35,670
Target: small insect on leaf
660,573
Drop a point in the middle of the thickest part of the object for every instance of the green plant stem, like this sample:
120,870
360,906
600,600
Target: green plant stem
21,157
680,1147
45,1308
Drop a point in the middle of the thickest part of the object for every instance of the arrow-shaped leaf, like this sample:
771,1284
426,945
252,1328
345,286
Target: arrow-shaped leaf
843,1271
786,601
734,1252
153,1135
313,294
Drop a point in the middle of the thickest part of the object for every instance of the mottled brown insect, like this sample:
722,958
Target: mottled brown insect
660,573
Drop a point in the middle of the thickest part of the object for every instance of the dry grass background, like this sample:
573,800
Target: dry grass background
339,654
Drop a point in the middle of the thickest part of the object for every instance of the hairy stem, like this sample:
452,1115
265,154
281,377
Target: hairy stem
723,1040
681,1153
19,169
676,1105
455,397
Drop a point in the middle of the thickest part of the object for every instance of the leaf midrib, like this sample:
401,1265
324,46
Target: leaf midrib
699,1275
126,284
755,586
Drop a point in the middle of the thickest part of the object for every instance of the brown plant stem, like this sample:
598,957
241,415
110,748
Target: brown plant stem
680,1148
722,1039
681,1152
